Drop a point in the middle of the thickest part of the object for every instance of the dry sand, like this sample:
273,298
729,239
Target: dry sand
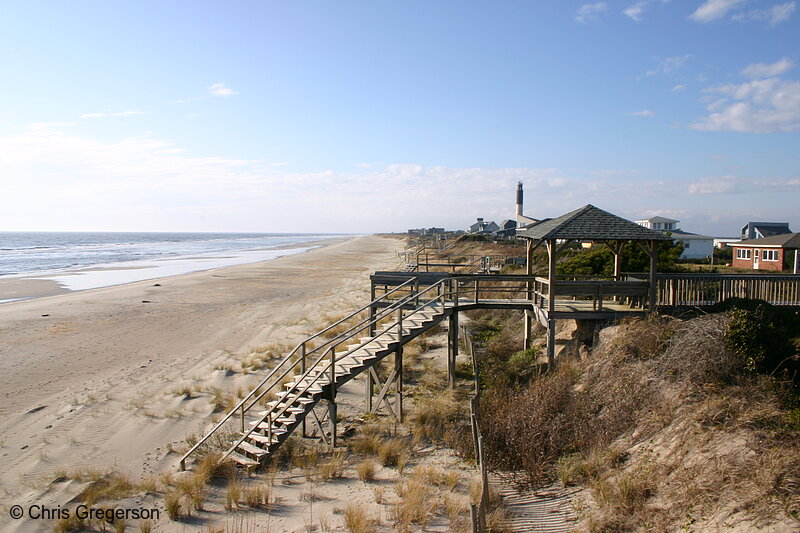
89,379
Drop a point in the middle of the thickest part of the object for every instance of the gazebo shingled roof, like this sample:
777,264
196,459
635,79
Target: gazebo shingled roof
591,223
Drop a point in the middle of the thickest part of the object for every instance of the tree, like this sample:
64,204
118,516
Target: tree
599,260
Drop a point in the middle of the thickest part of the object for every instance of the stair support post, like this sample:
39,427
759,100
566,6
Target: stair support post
332,399
398,366
551,343
452,349
371,310
368,389
528,335
303,373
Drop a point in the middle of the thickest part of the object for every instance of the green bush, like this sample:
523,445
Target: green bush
766,338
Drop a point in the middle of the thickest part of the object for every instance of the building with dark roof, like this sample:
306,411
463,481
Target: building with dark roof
768,253
760,230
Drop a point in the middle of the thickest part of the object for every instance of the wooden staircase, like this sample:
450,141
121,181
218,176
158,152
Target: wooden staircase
301,395
319,365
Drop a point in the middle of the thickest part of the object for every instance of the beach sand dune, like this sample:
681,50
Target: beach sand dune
92,379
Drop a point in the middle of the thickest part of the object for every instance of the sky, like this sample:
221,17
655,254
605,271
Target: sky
373,116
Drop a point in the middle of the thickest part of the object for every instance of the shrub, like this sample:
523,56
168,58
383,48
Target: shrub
765,337
366,471
356,520
391,450
173,504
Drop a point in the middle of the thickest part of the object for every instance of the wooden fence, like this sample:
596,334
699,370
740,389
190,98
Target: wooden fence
682,290
478,510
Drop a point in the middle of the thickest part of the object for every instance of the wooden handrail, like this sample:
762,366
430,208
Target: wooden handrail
294,392
288,358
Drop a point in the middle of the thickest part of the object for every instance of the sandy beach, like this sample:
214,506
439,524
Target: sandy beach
88,378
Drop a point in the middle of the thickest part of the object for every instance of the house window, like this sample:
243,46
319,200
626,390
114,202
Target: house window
686,244
742,253
770,255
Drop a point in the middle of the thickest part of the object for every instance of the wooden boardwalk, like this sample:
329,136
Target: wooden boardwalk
402,307
545,510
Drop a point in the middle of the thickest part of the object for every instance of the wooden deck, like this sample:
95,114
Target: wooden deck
580,309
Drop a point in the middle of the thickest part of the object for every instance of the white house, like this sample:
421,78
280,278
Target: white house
695,246
659,223
482,227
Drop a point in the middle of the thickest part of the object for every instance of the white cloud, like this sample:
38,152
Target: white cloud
107,113
678,87
767,70
714,9
733,185
55,178
636,11
715,185
669,65
773,15
760,106
643,113
590,12
219,89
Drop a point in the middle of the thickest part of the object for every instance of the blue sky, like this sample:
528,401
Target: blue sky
361,116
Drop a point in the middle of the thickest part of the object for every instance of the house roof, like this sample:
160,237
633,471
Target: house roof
680,234
508,224
787,240
590,223
658,219
769,231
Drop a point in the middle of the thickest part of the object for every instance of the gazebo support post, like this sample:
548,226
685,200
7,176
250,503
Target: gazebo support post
551,303
526,339
616,247
528,316
653,262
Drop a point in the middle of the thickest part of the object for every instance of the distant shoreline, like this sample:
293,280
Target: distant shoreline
30,285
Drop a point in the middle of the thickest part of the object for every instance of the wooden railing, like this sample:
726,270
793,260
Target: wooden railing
427,261
672,290
478,510
388,310
633,291
679,290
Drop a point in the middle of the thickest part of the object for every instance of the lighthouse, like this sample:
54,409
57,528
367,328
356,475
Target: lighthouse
522,220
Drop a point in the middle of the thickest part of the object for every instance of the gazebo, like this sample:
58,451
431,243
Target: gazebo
587,224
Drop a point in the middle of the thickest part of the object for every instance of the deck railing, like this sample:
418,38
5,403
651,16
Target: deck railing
680,290
479,510
634,292
672,290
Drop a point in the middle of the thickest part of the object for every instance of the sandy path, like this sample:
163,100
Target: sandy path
74,383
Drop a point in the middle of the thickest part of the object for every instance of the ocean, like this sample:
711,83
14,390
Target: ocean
89,260
27,252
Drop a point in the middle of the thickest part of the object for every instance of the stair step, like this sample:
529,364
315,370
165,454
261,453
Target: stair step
289,410
261,439
252,450
263,426
294,398
242,460
313,389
